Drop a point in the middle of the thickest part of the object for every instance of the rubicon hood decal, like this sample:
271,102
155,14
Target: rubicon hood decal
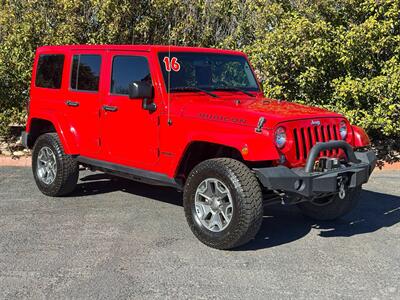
248,111
222,118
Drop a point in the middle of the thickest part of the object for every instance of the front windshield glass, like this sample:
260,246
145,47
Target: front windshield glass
206,71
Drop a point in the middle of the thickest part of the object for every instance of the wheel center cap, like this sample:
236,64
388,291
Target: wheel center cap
215,204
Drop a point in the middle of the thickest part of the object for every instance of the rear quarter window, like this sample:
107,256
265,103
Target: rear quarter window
49,71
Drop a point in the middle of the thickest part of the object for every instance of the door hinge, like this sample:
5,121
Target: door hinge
99,141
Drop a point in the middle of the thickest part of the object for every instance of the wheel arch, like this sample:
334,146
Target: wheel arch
37,128
41,125
198,151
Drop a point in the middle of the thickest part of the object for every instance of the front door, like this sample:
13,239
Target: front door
129,133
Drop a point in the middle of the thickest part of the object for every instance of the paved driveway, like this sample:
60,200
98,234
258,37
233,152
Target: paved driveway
119,239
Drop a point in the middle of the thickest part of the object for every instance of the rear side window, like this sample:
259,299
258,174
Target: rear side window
126,69
85,72
49,71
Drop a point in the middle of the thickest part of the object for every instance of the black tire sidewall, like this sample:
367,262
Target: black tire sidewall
56,187
239,230
191,191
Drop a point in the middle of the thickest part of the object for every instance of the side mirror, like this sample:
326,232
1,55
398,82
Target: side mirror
143,90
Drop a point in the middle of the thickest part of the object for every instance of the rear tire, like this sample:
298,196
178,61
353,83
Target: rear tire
239,209
55,172
332,207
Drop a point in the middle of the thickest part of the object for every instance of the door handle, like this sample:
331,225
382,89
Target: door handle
110,108
72,103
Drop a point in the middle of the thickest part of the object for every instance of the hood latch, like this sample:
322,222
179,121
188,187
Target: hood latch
260,124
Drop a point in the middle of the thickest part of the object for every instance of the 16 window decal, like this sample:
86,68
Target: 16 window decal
171,64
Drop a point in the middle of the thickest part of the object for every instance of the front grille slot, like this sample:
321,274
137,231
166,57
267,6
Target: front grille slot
296,143
329,132
334,132
306,137
303,141
310,139
316,134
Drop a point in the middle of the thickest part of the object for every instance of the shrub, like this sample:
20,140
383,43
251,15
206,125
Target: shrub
340,54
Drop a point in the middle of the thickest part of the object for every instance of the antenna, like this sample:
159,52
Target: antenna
169,78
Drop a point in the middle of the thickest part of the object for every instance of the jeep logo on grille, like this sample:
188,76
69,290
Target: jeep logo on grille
315,122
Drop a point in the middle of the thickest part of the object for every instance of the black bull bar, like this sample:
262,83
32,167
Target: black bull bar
307,183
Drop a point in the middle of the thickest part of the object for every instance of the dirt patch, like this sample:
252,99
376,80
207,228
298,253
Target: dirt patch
8,161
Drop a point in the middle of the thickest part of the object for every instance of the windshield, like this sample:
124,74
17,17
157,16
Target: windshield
191,71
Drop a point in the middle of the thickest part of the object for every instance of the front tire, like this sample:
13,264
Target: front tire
223,203
332,207
55,172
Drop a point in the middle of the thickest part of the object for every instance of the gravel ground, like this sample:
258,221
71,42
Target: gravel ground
119,239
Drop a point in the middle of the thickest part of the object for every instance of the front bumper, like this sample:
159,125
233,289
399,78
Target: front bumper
305,183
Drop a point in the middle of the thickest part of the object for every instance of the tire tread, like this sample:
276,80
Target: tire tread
249,194
67,167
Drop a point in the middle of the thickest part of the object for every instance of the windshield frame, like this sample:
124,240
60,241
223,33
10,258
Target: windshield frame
162,54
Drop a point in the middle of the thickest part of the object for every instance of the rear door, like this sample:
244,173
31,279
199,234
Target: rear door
129,133
83,100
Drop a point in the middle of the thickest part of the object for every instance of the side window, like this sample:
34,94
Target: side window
126,69
49,71
85,72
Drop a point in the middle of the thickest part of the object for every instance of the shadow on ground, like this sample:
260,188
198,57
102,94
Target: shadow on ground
100,183
281,225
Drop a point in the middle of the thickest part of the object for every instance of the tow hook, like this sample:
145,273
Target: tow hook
342,190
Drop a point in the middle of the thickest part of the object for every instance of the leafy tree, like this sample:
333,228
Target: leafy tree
340,54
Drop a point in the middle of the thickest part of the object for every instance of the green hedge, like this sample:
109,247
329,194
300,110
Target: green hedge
342,54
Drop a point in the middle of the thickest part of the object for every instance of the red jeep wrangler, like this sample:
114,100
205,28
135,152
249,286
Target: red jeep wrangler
194,119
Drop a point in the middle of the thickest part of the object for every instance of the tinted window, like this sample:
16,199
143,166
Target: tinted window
126,69
85,72
207,71
49,71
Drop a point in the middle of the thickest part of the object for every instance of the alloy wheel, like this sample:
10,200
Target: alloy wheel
213,205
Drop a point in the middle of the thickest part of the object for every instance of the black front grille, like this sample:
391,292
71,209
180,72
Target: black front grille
306,137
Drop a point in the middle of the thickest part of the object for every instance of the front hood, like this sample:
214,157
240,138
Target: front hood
247,110
284,110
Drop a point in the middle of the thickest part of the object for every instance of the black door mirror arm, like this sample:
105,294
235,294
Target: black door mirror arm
148,104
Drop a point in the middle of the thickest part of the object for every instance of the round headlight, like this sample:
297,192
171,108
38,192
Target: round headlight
280,137
343,130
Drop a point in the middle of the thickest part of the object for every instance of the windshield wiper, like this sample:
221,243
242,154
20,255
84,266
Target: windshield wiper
234,89
192,89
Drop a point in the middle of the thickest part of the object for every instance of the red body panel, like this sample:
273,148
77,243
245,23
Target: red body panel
130,135
138,138
84,119
361,139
